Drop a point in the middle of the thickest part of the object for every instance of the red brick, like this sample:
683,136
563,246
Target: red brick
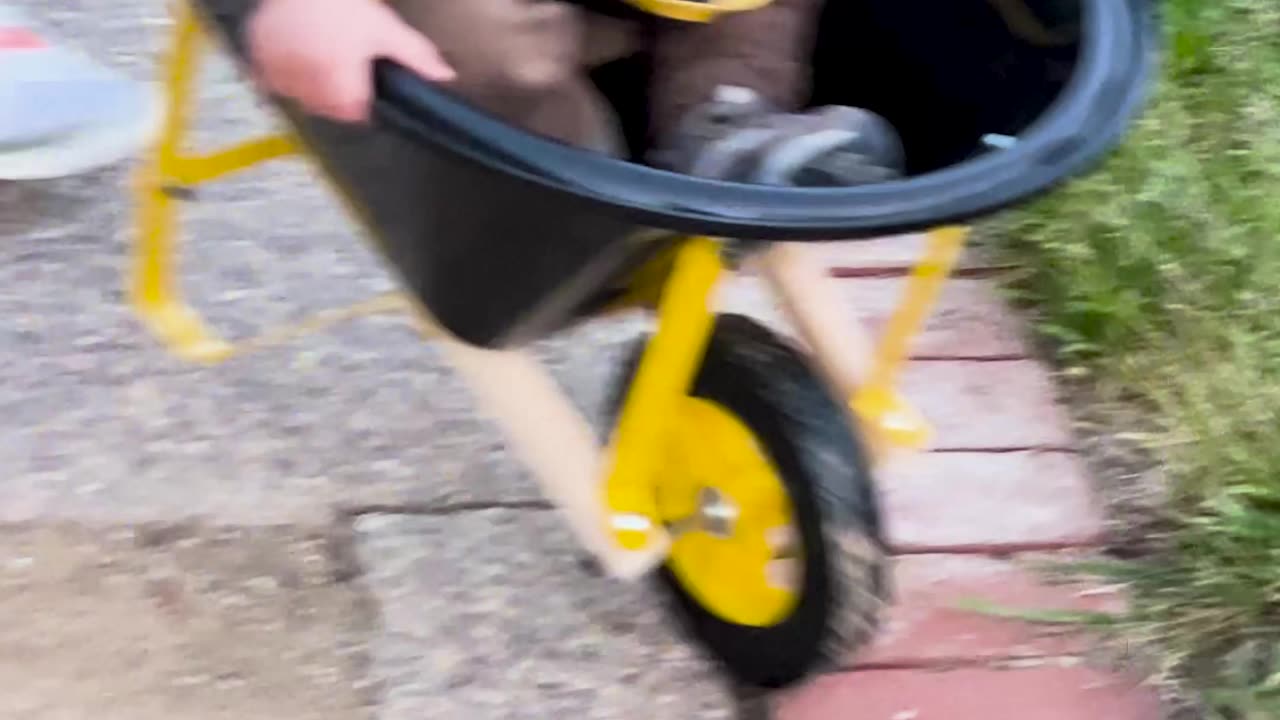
987,405
969,321
971,404
965,502
1044,693
18,38
926,624
995,403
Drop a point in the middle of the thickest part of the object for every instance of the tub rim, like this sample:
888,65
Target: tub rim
1092,113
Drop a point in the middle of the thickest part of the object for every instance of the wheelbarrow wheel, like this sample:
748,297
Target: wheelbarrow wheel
778,565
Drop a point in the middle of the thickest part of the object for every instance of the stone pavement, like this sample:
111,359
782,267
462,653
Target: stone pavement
328,531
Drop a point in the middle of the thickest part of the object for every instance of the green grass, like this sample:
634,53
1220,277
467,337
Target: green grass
1158,279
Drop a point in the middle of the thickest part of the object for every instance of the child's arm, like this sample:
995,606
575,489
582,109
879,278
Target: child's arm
320,53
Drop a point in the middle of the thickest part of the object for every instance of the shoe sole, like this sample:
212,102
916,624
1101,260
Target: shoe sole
83,152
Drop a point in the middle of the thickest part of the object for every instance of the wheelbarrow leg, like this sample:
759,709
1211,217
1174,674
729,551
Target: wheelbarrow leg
153,288
878,398
857,368
168,174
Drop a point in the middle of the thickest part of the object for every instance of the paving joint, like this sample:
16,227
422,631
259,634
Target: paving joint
443,509
996,550
1003,449
889,272
993,358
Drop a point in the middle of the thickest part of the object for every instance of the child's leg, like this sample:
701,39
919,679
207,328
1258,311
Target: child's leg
523,61
766,50
726,97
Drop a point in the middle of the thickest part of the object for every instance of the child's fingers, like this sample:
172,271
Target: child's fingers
417,53
346,97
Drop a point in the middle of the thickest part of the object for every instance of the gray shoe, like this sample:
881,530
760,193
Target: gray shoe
61,113
738,137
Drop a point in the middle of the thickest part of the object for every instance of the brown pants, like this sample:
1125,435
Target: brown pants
525,60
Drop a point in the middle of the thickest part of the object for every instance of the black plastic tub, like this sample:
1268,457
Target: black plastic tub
505,236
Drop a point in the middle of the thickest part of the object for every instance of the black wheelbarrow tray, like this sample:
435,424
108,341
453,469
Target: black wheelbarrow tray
739,462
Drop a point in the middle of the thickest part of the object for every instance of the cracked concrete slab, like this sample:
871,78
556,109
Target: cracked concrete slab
98,424
173,535
487,615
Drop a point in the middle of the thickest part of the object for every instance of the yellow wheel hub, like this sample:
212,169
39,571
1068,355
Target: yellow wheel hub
734,546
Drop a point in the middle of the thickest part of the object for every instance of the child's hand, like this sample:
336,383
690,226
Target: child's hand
321,52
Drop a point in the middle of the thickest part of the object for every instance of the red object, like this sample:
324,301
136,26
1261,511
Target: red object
1039,693
20,39
928,627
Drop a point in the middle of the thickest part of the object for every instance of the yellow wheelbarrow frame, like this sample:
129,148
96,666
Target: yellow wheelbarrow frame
620,526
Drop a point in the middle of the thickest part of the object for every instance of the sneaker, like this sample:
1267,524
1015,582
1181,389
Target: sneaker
61,113
738,137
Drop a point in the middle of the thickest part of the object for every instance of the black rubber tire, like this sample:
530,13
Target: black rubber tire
811,439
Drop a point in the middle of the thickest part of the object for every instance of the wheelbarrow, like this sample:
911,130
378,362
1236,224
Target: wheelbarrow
738,465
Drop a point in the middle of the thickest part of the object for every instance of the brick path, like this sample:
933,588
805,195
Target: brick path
1001,487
